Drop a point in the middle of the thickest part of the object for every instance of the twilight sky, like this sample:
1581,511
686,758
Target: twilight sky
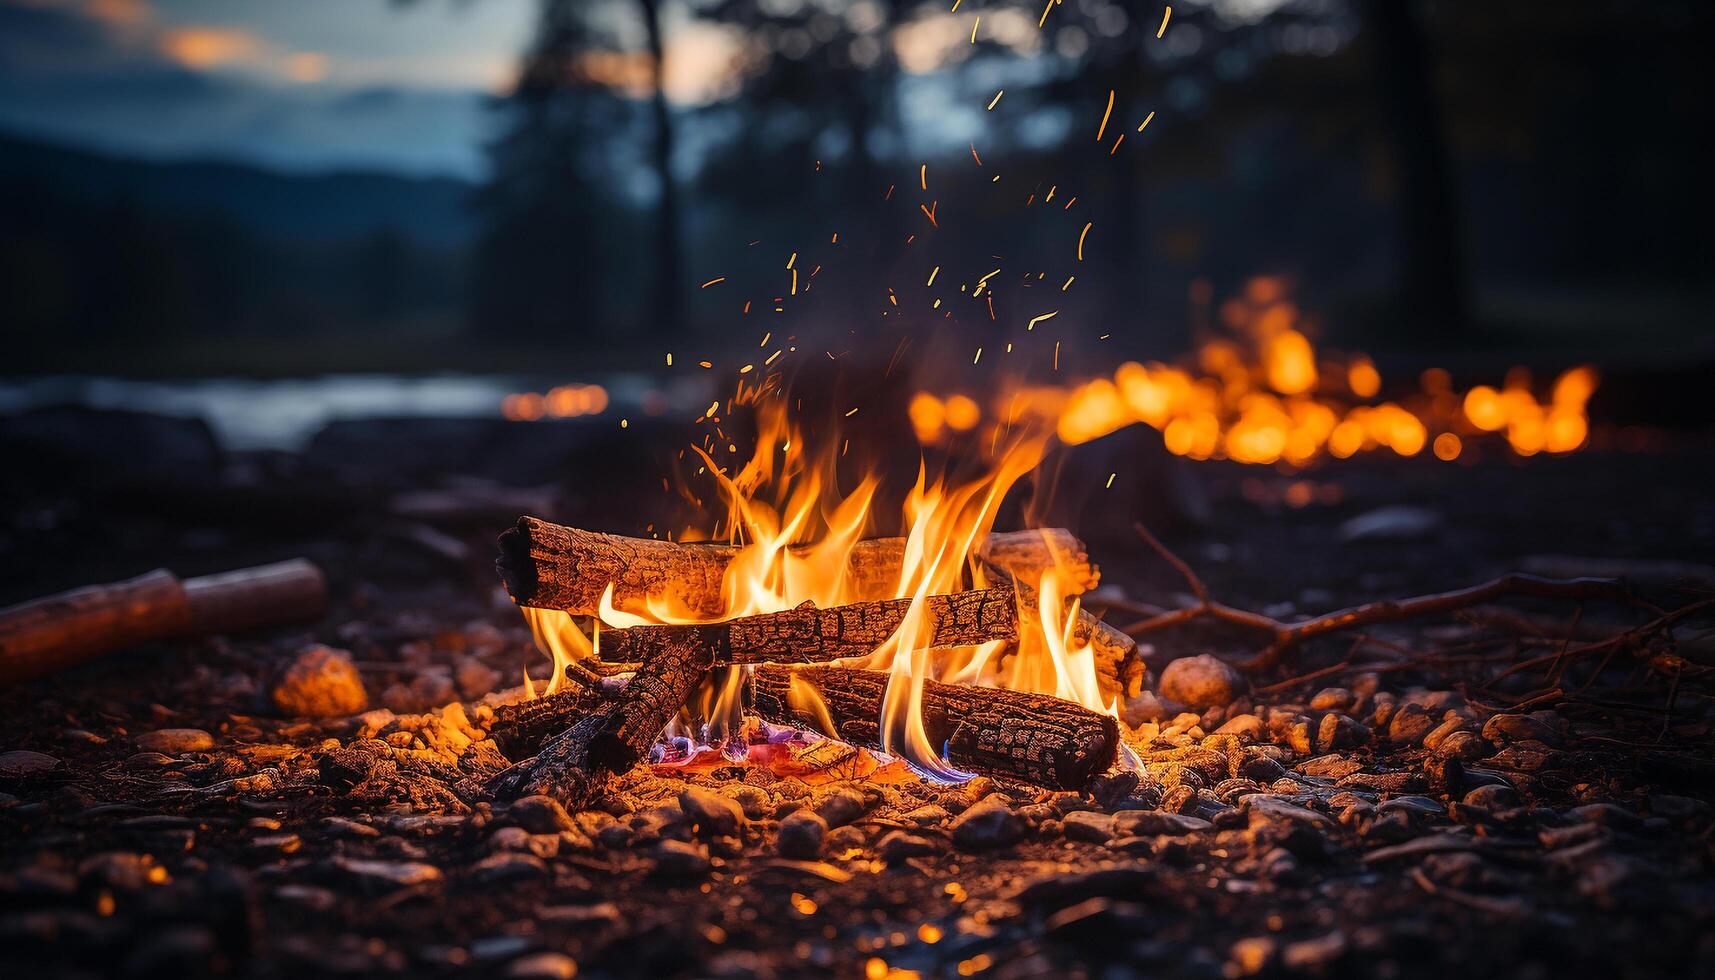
292,84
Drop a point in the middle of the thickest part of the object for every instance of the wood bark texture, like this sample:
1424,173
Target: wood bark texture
1032,738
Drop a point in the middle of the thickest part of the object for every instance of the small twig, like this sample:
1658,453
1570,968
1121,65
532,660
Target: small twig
1285,636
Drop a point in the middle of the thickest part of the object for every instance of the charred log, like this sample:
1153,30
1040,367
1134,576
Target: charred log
551,566
810,635
1032,738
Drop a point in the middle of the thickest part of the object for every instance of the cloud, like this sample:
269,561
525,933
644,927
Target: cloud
97,73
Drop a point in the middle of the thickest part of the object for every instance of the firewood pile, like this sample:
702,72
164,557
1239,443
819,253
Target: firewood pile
1516,779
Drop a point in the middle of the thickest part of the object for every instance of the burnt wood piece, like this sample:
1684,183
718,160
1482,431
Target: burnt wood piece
1033,738
811,635
520,729
1120,670
50,634
574,765
551,566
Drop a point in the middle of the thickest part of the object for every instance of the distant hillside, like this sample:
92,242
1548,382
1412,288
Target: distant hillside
303,208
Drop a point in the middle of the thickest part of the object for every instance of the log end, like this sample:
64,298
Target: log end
517,569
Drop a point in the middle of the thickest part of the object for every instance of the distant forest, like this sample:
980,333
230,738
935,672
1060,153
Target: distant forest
1422,174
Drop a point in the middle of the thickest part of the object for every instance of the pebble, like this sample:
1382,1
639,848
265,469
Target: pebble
1409,725
507,866
23,763
1267,809
801,835
398,874
900,845
1314,954
543,966
681,859
1248,727
712,815
1085,825
1201,681
841,806
1492,797
988,824
1155,823
541,815
927,816
1519,728
320,683
345,827
176,741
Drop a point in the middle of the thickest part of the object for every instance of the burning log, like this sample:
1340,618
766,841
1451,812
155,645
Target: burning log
810,635
50,634
551,566
1120,672
1033,738
612,737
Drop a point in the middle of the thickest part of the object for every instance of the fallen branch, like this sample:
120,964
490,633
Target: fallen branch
1285,636
1033,738
551,566
46,635
811,635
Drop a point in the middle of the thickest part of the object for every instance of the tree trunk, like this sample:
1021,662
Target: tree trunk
1433,289
668,306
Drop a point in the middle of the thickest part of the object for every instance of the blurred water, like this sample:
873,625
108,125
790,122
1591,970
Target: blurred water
284,414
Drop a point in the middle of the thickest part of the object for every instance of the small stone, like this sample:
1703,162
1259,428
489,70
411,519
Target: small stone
900,845
927,816
23,763
276,844
1269,809
1086,825
1493,797
1331,699
543,966
507,866
1201,681
712,815
1314,954
1251,955
1263,770
541,815
1518,728
320,683
1248,727
681,859
176,741
1155,823
1468,746
1409,725
348,828
396,874
988,824
801,835
841,806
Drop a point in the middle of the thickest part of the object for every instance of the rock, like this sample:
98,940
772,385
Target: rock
541,815
927,816
1606,815
1314,955
320,683
1251,956
347,828
23,764
1269,809
1155,823
1262,770
543,966
1329,766
176,741
1248,727
425,692
1201,681
1468,746
1492,797
986,825
390,874
900,845
1409,725
801,835
1087,825
841,806
1518,728
681,859
1393,523
712,815
507,866
1331,699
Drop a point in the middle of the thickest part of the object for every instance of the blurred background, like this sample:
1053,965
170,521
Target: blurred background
273,269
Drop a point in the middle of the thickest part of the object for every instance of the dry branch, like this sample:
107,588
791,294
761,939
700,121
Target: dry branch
556,567
810,635
1286,636
1033,738
49,634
